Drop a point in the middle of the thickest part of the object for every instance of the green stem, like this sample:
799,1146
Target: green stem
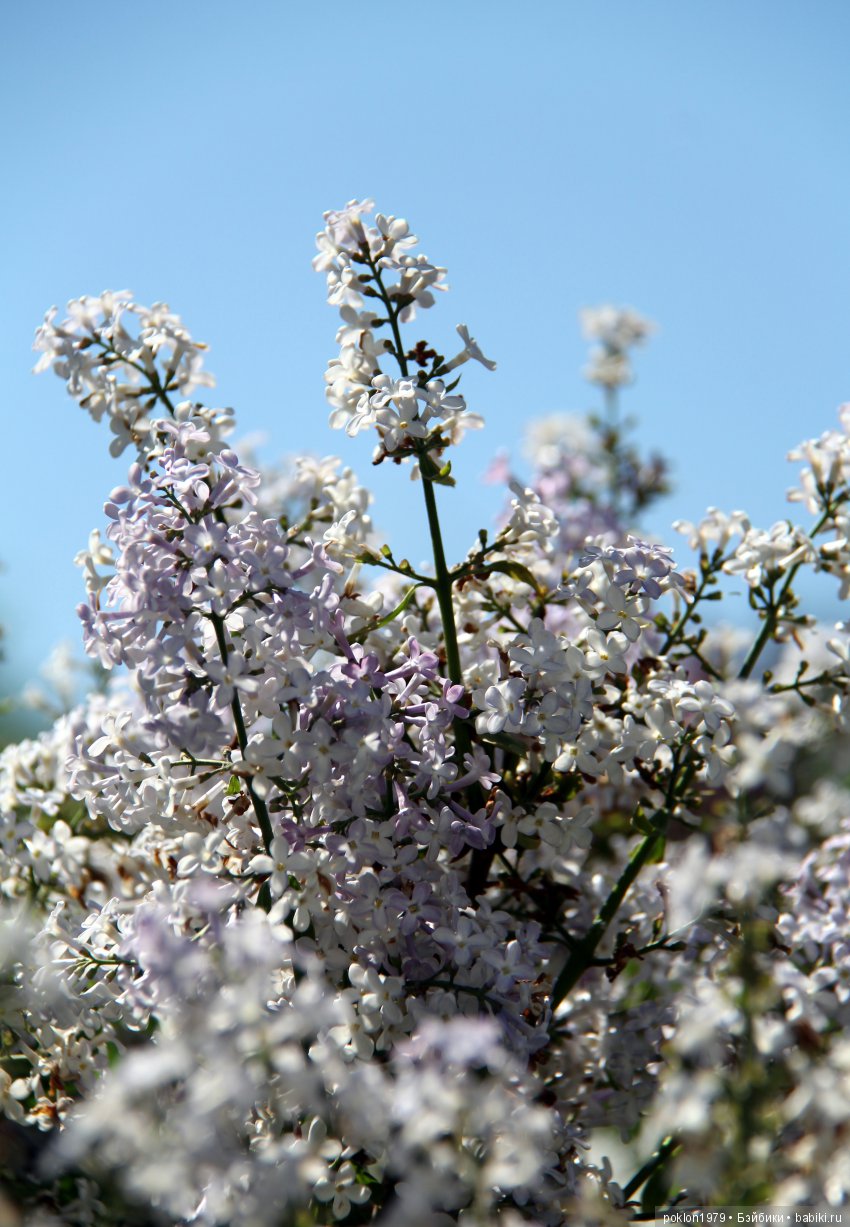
405,572
612,409
612,422
392,313
774,612
155,384
582,955
260,808
444,599
584,951
443,583
667,1148
768,627
675,633
481,859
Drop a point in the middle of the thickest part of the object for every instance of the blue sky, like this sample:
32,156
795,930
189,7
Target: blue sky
689,160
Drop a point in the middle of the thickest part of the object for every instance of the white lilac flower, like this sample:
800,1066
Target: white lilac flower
470,349
290,905
715,531
503,706
111,371
617,330
761,554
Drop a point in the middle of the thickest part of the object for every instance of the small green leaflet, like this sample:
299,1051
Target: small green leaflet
360,635
516,570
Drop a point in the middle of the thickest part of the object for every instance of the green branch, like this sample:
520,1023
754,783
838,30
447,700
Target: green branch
776,606
668,1147
582,955
260,808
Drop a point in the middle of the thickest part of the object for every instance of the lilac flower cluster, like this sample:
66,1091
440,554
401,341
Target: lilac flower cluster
115,374
377,282
616,330
361,894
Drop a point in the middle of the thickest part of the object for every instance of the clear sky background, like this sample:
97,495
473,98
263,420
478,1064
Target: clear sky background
688,159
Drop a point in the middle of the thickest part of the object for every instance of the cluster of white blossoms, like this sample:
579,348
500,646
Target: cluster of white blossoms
360,894
376,282
615,331
128,373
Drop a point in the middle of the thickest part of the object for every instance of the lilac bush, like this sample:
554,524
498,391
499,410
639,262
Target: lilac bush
367,894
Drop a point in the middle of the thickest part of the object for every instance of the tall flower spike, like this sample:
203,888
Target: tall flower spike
616,330
378,282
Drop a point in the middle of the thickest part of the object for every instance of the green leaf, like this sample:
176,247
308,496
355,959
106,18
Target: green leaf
399,609
363,1177
657,1190
658,851
641,823
360,635
506,741
516,570
234,786
431,471
440,476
